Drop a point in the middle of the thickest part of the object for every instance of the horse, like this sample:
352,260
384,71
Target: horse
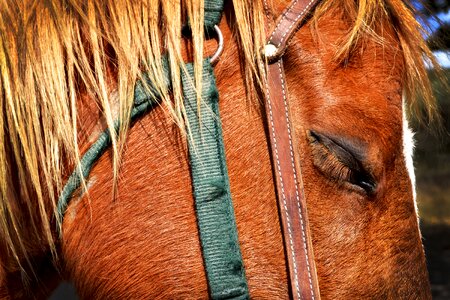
68,71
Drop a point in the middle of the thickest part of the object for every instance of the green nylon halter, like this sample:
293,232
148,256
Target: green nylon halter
213,13
214,208
144,101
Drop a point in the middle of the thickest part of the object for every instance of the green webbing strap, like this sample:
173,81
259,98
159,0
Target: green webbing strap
145,98
213,13
214,207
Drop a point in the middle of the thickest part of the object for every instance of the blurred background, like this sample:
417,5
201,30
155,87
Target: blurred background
432,155
432,160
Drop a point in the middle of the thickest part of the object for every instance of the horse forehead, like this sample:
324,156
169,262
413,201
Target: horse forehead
360,100
346,103
367,114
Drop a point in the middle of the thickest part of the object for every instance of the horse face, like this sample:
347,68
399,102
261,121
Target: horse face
354,144
349,136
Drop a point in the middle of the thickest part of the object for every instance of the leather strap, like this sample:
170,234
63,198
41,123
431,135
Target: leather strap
287,24
290,194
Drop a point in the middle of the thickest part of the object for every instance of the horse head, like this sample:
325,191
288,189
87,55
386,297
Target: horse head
130,229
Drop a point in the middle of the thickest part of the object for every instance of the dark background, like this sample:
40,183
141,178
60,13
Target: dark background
432,162
432,157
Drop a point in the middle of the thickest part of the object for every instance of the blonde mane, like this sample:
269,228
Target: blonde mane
51,50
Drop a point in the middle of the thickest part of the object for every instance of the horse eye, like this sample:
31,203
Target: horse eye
341,162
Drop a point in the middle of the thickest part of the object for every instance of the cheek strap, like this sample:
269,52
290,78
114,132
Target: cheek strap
285,160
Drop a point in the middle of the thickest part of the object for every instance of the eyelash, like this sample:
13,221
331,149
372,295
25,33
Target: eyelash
329,164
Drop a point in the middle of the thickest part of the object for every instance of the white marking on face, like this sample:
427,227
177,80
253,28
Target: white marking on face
408,151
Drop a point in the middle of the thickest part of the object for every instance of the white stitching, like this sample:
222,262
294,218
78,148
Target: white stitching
291,152
281,20
292,23
288,221
295,21
295,180
266,10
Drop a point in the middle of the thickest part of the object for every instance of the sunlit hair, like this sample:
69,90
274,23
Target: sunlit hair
368,17
52,50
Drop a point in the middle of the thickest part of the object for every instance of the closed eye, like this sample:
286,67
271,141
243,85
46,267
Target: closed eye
341,162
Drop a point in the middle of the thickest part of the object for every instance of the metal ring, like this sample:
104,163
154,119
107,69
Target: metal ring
216,56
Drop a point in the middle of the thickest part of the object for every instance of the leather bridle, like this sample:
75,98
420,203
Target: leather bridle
287,167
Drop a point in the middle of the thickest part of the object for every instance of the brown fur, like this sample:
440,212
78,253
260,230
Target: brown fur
145,243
